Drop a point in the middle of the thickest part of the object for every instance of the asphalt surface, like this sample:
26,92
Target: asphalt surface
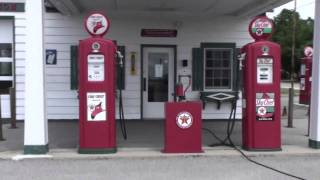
175,168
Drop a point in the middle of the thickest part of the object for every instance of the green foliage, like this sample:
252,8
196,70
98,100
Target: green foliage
283,36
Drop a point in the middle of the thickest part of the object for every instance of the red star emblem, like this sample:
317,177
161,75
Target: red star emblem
184,119
261,111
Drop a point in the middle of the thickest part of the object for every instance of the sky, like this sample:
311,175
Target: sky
304,7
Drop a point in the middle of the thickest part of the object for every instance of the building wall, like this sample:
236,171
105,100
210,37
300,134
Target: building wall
63,31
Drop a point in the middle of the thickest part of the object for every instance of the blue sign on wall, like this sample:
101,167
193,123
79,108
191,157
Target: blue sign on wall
51,56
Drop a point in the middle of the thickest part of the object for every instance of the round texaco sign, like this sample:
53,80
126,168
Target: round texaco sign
261,28
308,51
184,120
97,24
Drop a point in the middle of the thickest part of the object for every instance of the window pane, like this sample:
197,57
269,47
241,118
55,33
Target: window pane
226,73
5,50
209,73
209,83
208,54
225,82
217,74
209,63
217,54
226,63
217,63
226,54
217,82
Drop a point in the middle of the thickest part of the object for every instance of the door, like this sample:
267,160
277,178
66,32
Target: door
6,63
158,80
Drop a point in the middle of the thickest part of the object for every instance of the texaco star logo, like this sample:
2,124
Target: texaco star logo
262,111
184,120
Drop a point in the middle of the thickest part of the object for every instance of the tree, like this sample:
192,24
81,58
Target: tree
283,35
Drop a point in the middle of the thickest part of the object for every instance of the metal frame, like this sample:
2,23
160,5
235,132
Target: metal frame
141,69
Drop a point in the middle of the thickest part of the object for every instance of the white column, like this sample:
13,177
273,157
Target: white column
314,139
36,123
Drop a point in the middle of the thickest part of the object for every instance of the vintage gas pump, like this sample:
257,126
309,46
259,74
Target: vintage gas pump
305,76
261,95
97,88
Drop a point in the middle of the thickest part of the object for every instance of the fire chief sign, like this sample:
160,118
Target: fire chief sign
184,120
96,107
265,106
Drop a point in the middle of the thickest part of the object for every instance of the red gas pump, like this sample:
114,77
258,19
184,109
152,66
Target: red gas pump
261,95
305,76
97,88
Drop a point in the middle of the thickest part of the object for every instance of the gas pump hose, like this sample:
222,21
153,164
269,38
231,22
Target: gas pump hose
121,113
227,141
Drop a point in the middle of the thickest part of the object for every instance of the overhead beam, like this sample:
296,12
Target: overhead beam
258,7
66,7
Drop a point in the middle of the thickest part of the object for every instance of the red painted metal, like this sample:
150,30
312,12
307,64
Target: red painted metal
305,81
180,137
97,134
258,134
179,90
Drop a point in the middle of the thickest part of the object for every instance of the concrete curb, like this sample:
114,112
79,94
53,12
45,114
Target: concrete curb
143,153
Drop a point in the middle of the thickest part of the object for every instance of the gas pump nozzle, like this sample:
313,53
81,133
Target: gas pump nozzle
120,56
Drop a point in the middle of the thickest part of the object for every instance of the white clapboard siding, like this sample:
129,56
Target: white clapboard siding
63,31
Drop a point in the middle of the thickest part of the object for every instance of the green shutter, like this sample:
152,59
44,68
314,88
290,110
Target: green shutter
197,69
121,74
74,67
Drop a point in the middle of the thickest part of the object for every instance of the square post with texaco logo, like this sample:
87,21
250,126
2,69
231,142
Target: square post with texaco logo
183,125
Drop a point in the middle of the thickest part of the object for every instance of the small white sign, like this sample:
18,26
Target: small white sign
158,70
308,51
264,70
302,84
303,70
96,106
95,67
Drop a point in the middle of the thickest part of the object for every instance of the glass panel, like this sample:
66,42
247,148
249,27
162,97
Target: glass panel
158,77
217,74
217,63
208,54
225,82
209,63
226,63
5,68
209,83
226,73
209,73
226,55
5,50
217,82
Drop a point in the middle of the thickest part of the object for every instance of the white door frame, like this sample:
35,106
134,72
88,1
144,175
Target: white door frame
143,75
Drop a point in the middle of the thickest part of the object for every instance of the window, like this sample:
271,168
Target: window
217,68
214,67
